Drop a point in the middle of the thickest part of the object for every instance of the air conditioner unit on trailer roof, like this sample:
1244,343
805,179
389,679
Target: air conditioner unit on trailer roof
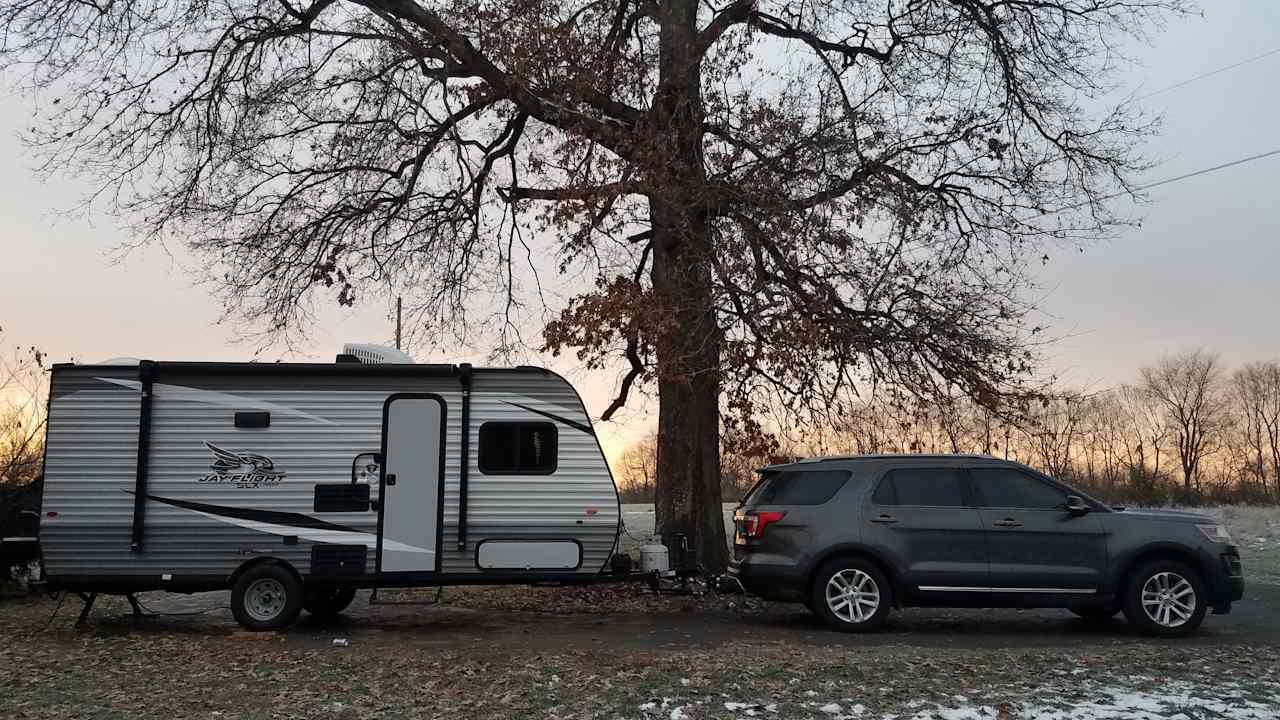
377,354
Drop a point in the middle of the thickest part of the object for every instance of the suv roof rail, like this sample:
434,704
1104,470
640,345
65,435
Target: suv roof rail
886,456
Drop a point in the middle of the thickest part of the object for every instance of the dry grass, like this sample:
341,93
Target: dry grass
167,671
1257,532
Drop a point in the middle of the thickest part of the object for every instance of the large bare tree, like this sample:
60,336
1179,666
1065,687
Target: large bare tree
756,199
1189,388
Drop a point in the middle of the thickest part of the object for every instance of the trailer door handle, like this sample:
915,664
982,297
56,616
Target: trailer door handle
884,519
391,478
1007,522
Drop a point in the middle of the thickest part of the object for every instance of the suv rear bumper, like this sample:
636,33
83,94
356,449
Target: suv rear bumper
771,582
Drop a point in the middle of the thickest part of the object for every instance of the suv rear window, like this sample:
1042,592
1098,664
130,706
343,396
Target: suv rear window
798,487
927,487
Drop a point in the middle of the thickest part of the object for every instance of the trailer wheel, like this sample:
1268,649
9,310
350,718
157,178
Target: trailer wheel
266,597
327,602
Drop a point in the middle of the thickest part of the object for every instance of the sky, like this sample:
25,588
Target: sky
1200,272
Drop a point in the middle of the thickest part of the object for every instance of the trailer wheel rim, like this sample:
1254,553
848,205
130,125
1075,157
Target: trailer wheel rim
1168,599
265,599
853,596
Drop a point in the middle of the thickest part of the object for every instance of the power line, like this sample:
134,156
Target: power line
1215,168
1166,181
1211,73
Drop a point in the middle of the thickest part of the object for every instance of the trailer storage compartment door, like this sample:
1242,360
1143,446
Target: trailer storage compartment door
412,483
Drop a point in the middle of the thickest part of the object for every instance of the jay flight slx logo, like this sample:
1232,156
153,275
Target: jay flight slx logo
242,469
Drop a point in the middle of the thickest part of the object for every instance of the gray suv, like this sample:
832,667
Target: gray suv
853,537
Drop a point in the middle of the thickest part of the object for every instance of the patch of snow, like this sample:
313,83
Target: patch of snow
831,709
1120,701
656,704
678,713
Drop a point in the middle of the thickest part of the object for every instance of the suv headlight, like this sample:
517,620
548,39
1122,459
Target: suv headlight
1216,533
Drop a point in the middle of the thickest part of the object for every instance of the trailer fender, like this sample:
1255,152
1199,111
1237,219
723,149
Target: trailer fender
254,562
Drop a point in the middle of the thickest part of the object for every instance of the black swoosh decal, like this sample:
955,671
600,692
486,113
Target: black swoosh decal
267,516
571,423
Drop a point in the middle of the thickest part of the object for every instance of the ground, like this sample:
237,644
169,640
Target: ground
621,652
615,652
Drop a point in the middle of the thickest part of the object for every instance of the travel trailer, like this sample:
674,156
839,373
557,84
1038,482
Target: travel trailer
295,484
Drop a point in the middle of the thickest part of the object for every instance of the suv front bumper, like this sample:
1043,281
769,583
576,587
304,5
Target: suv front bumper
1228,586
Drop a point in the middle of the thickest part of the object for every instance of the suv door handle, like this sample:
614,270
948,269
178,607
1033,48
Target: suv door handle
884,519
1007,522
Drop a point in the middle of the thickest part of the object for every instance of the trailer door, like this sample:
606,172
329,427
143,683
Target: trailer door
412,483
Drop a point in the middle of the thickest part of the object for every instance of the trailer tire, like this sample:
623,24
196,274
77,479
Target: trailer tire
267,596
327,601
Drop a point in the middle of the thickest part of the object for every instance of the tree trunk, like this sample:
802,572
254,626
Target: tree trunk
1188,490
688,351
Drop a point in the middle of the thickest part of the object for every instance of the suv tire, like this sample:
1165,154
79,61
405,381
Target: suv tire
327,602
268,596
1165,598
851,595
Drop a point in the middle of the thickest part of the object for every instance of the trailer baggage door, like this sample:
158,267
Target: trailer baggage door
412,475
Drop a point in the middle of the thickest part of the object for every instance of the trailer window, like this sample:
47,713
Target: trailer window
518,448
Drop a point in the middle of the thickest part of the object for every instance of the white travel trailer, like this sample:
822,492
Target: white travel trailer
295,484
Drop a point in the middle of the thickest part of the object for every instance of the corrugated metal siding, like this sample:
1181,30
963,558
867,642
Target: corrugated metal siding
318,425
534,506
307,451
89,464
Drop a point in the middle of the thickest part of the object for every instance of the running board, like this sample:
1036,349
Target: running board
999,590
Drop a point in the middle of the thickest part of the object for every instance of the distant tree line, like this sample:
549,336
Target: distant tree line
1188,430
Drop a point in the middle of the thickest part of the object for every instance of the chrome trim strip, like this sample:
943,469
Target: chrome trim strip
1047,591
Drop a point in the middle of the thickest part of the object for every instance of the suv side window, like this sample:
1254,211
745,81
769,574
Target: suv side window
926,487
1002,487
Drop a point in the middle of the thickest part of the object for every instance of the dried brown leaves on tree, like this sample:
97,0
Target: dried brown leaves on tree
750,202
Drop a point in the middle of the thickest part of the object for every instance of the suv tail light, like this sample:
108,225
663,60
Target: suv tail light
756,522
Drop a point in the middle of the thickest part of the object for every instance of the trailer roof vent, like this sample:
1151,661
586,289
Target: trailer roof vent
376,354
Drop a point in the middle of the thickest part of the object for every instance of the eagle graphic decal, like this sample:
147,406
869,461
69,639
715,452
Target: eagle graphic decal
242,469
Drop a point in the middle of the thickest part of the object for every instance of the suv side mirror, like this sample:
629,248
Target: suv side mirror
1076,505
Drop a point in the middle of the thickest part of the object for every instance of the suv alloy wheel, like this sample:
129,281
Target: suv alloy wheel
1165,598
851,595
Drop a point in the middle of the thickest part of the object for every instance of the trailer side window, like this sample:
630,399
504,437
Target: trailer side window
518,448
